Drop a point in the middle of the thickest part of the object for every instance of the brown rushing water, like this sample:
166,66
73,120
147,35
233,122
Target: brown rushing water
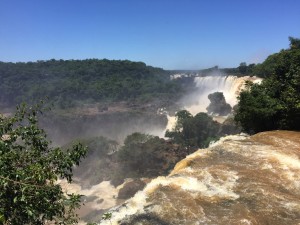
239,180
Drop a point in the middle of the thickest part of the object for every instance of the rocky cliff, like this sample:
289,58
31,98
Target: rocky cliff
239,180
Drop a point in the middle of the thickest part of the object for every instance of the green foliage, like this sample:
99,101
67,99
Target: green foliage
193,131
97,146
132,151
182,116
136,139
268,67
66,82
255,110
230,127
275,104
107,216
141,155
294,43
242,70
243,67
137,155
29,169
96,166
144,155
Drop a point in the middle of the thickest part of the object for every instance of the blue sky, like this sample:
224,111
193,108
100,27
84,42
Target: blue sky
172,34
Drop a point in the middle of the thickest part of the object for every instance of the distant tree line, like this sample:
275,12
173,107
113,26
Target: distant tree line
66,82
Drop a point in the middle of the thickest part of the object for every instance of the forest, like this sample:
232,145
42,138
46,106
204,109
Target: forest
69,82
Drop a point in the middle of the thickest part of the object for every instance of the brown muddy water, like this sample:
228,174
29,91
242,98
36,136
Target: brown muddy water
238,180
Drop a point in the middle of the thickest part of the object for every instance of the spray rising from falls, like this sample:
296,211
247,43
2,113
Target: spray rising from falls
230,86
197,101
239,180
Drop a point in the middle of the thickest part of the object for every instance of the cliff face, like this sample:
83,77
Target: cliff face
239,180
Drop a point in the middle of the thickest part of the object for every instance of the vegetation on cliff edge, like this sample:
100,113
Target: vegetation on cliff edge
275,103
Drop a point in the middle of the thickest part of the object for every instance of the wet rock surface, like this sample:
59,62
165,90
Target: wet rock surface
239,180
218,105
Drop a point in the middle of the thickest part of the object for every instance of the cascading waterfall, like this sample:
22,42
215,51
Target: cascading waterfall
230,86
197,101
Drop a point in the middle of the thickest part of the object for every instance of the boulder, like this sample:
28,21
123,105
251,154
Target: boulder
218,105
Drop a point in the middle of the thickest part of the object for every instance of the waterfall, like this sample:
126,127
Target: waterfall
231,86
197,101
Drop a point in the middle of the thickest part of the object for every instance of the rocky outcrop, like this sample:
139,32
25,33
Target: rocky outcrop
218,105
239,180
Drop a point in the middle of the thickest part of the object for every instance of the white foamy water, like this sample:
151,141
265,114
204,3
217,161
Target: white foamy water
238,180
198,101
207,186
103,191
230,86
170,125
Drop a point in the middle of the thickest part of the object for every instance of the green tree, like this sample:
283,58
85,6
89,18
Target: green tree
29,169
243,67
275,104
256,110
69,82
137,153
144,155
182,116
193,132
96,166
294,43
